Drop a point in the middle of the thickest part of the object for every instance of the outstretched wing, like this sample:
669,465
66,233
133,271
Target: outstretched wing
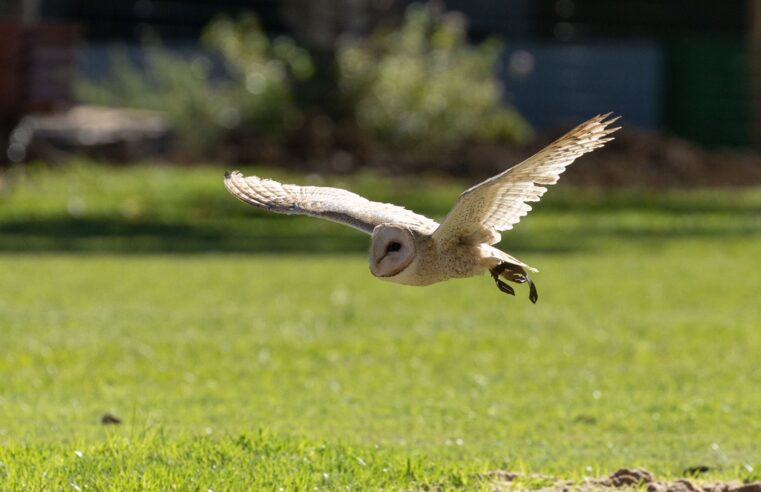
498,203
334,204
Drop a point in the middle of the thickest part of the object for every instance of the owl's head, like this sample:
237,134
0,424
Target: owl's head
391,251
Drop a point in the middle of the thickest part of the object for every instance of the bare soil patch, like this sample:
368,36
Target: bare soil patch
623,479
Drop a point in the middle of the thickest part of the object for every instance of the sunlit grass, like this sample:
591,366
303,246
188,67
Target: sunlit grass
244,368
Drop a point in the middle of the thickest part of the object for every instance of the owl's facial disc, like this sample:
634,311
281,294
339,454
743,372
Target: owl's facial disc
391,251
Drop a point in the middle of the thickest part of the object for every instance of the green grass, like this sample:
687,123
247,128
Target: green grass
252,351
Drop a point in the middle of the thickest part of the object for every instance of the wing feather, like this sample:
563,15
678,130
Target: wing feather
333,204
498,203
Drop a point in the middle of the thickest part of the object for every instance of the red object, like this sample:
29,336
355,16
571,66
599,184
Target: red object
37,66
10,67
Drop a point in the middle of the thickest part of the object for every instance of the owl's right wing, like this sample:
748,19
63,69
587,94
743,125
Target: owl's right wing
497,204
333,204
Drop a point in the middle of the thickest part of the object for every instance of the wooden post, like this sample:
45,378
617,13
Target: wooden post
754,59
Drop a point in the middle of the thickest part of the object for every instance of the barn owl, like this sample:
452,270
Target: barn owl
409,248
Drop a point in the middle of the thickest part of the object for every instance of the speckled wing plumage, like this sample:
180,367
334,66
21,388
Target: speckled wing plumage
498,203
334,204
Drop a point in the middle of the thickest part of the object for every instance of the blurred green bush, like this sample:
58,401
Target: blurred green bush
254,97
422,84
419,85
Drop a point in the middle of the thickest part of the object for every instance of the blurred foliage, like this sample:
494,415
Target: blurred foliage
181,88
253,96
422,84
262,72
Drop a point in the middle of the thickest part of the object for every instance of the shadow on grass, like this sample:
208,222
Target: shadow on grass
272,234
123,236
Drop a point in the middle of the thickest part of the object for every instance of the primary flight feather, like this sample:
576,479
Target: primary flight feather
409,248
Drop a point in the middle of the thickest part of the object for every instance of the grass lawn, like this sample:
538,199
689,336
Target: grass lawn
250,351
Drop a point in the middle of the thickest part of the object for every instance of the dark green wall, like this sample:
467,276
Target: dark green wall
708,96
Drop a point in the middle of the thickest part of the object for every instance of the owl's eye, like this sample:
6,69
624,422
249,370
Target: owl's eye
394,246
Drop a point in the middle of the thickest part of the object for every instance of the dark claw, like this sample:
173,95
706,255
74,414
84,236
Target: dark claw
533,295
504,287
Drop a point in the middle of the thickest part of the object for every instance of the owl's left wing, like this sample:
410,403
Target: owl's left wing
498,203
333,204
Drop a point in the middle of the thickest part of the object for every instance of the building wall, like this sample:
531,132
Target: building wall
682,65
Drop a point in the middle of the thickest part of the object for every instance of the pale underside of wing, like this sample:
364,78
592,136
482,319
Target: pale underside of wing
498,203
333,204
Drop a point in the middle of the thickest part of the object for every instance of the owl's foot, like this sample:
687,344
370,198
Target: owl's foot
515,274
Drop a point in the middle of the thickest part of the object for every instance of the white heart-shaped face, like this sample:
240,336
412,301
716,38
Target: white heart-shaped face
391,251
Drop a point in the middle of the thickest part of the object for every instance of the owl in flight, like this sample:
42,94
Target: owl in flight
408,248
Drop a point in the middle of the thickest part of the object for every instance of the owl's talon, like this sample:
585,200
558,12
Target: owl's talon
505,288
533,295
495,273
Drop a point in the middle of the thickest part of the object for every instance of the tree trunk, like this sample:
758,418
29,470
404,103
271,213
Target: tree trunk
317,26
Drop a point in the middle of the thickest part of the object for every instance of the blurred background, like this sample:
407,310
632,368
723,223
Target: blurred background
455,87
